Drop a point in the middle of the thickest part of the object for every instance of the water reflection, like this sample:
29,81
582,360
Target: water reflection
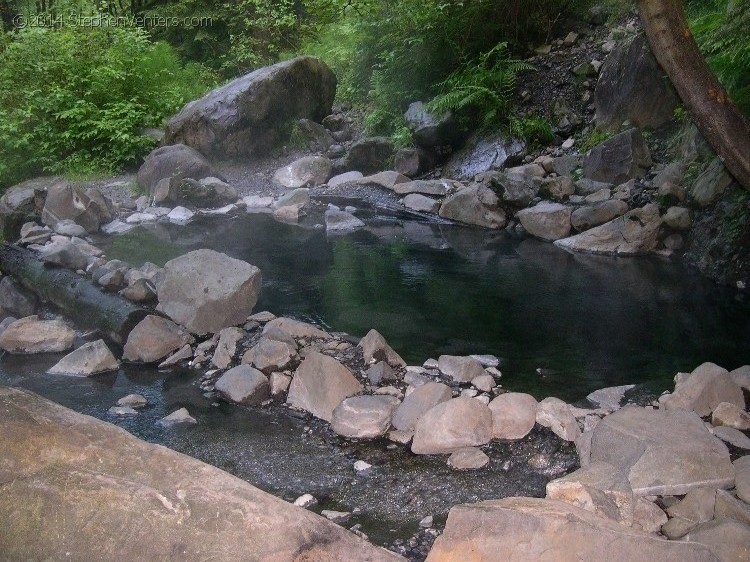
430,289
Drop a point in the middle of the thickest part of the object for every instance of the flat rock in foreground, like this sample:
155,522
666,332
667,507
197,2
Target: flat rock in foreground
662,452
111,496
539,529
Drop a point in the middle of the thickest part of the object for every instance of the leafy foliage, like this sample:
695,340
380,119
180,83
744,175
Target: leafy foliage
85,113
483,87
721,30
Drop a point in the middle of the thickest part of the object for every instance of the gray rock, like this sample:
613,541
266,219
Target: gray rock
270,355
206,291
632,87
346,177
64,201
590,216
308,171
677,218
294,328
418,403
305,501
648,516
363,417
662,452
141,291
599,488
546,220
178,417
122,411
180,215
518,190
468,458
320,384
153,339
541,529
63,463
89,359
484,383
429,130
726,538
31,335
172,163
513,415
609,398
7,321
452,425
61,251
695,508
245,116
341,222
437,188
379,372
375,348
388,179
731,415
421,204
317,136
67,227
711,184
133,401
559,188
474,205
587,187
226,347
623,157
279,383
707,386
732,436
339,517
460,369
22,203
741,376
185,353
634,233
482,154
727,505
243,385
413,161
742,477
557,416
15,300
368,155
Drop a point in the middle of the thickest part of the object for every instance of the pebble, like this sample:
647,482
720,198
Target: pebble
427,522
305,501
133,401
336,516
361,466
122,411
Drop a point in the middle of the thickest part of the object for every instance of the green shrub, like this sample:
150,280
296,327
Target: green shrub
482,88
76,100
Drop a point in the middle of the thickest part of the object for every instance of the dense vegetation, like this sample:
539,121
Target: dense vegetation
76,95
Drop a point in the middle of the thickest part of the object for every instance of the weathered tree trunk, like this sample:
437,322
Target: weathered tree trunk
77,297
716,116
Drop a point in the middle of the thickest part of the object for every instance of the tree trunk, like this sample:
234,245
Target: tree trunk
77,297
716,116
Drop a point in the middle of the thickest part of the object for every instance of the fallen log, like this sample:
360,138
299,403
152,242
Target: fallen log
78,298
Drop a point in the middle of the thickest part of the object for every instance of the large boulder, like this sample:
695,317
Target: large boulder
482,154
703,390
320,384
589,216
431,131
206,291
418,403
623,157
474,205
95,480
153,339
369,156
243,385
711,184
662,452
558,417
375,348
308,171
32,335
632,87
246,116
170,164
513,415
546,220
90,359
205,192
452,425
64,201
364,417
22,203
634,233
547,530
